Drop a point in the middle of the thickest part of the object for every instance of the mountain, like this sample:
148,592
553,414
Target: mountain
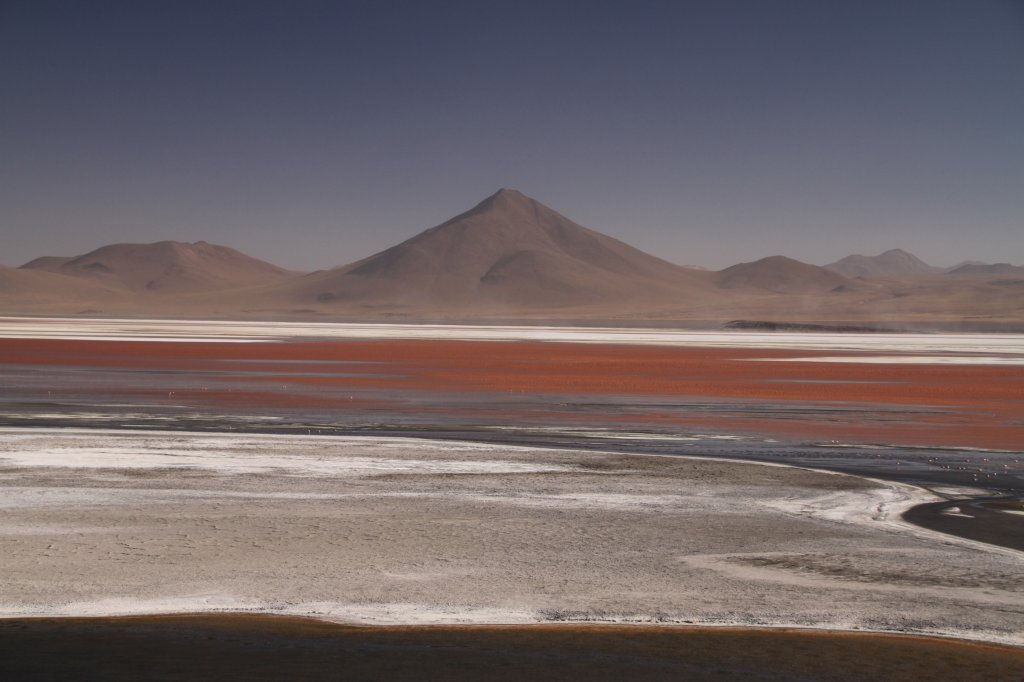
163,267
512,258
507,250
780,274
892,263
962,263
986,269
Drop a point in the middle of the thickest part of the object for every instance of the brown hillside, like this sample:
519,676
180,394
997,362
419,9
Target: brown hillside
36,291
164,267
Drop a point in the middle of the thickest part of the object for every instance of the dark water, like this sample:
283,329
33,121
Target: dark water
224,647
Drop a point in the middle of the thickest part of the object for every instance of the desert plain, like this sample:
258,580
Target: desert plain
567,479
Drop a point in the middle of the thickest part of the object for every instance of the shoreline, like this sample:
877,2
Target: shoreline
300,621
262,614
269,647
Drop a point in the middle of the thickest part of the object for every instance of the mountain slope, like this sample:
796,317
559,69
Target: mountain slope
891,263
35,291
164,267
508,249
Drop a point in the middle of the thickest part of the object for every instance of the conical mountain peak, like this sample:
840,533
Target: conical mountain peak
504,199
510,248
509,194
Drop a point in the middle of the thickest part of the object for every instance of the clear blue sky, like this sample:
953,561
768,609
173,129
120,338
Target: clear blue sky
315,133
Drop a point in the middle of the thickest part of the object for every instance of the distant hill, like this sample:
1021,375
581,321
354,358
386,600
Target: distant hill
163,267
780,274
51,263
951,268
892,263
507,250
986,269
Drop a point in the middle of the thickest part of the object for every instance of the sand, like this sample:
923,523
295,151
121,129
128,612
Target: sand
398,531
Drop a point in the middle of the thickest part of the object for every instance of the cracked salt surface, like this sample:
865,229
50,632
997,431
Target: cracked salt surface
231,454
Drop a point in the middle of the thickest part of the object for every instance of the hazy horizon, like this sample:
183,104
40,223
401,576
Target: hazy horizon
705,133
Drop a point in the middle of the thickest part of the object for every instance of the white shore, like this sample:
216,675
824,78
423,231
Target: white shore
388,530
1000,348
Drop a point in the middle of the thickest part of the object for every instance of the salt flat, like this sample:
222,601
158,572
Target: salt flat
388,530
1008,347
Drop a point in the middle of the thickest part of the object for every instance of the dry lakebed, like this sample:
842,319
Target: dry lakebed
400,531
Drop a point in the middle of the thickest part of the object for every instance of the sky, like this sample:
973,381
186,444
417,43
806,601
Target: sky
312,134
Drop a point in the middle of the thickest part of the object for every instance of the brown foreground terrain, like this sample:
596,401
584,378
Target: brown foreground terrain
275,648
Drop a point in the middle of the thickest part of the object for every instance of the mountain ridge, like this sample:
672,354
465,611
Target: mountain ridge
509,257
164,267
781,274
